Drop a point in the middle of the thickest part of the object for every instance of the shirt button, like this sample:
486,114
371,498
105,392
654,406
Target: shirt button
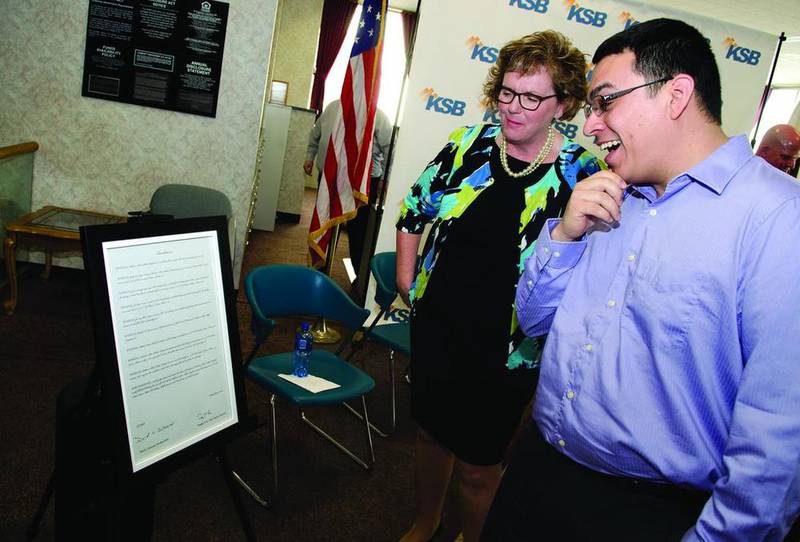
588,347
570,394
611,303
631,257
556,254
653,212
562,442
546,249
530,284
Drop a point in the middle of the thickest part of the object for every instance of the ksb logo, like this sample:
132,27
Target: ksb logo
628,19
482,52
440,104
539,6
586,16
741,54
396,315
491,115
569,130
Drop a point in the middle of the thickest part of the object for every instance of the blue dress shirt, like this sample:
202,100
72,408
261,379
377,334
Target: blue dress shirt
674,346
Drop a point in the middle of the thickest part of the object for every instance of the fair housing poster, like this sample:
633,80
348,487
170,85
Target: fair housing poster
157,53
171,338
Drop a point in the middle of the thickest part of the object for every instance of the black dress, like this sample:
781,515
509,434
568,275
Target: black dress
463,394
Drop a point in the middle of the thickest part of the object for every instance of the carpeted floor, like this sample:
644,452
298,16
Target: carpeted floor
323,496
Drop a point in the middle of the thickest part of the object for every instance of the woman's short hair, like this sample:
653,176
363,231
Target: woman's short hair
547,49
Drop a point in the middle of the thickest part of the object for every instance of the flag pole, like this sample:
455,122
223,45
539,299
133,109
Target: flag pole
321,332
346,170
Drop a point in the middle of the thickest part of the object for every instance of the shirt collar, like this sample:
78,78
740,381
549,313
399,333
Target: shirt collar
717,170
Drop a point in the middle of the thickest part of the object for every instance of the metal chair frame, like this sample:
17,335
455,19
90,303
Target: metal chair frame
385,304
262,328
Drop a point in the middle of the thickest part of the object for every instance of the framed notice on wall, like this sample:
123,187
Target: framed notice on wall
157,53
166,337
278,91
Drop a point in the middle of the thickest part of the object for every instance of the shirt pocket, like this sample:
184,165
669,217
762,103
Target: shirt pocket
663,298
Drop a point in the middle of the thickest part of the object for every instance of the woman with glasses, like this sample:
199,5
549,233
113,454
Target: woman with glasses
486,196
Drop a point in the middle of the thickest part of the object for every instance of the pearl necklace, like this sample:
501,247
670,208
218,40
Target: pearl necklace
543,152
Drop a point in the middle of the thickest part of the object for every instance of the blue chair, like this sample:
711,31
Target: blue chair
395,336
292,290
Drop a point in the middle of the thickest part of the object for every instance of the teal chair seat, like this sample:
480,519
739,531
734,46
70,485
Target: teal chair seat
397,337
352,381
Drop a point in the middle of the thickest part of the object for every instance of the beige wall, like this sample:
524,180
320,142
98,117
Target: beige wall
110,156
297,30
293,179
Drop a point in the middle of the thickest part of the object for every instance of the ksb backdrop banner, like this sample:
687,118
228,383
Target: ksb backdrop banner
457,41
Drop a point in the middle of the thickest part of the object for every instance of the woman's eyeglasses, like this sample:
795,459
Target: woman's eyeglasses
527,100
599,104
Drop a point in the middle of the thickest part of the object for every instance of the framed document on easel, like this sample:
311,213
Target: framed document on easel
167,339
168,381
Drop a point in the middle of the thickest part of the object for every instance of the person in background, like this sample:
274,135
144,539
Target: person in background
485,196
318,147
667,407
780,147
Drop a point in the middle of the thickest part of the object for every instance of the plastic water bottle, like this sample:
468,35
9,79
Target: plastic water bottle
303,342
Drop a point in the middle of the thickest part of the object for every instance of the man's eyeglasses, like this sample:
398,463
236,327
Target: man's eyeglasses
599,104
527,100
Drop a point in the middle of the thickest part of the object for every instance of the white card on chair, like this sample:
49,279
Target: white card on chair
312,383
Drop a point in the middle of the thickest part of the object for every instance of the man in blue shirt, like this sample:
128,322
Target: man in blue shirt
668,406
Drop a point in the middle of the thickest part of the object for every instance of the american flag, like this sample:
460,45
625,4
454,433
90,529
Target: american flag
345,177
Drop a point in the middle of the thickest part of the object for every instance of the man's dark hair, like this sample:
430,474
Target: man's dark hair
665,48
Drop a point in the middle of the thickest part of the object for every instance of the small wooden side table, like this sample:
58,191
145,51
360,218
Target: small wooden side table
53,229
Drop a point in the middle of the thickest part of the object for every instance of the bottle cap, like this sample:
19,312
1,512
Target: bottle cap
305,326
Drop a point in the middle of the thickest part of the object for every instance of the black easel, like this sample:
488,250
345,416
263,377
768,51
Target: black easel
82,409
33,528
90,398
222,457
107,488
767,88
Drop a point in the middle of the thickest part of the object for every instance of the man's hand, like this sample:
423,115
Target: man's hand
595,199
308,165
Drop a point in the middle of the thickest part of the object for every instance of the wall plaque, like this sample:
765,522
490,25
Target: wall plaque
157,53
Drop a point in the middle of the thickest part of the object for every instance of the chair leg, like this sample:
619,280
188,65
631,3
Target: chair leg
393,391
274,445
367,426
329,438
393,394
252,492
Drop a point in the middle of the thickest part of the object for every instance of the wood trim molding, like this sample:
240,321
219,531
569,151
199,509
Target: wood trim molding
22,148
